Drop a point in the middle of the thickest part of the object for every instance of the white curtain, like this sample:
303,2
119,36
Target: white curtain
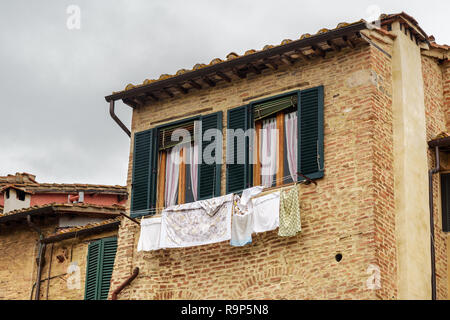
193,160
268,149
290,121
172,172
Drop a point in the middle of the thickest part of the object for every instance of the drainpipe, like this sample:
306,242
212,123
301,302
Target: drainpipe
116,119
125,283
431,172
40,258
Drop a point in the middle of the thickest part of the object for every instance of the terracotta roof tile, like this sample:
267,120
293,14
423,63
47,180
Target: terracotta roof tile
230,56
233,55
82,207
85,227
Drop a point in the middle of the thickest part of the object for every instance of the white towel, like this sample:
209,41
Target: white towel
241,229
150,234
266,211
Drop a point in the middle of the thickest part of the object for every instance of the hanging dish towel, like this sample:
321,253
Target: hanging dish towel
266,211
241,229
150,234
290,223
190,224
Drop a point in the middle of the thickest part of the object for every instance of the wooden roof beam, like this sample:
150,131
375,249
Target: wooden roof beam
348,42
208,80
333,45
252,67
182,89
318,51
239,74
300,54
223,76
195,84
166,91
152,96
286,59
270,64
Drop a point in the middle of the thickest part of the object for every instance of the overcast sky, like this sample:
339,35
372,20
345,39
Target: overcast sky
54,119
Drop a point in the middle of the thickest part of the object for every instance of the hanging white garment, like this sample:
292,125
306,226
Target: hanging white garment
266,211
189,225
150,235
247,194
241,229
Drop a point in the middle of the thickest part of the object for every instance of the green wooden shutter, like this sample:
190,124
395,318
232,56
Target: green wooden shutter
238,174
143,194
109,248
209,175
92,267
310,130
445,199
99,268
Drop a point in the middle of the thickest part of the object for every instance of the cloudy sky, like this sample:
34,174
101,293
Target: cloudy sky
54,119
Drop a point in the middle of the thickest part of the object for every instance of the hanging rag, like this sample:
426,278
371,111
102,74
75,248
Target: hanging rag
266,212
190,224
150,235
242,219
290,223
241,229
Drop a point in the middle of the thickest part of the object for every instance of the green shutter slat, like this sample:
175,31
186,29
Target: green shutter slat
143,194
100,264
238,175
310,129
445,200
93,261
108,257
209,175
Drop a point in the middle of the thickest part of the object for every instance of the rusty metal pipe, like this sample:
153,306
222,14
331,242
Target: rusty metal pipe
431,172
125,283
116,119
41,254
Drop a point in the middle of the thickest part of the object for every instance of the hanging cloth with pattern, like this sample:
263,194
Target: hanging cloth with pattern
290,223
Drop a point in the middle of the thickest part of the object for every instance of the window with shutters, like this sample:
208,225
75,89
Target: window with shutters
445,199
287,140
275,123
177,164
100,263
169,167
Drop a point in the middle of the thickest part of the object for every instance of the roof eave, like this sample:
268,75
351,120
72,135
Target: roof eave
229,64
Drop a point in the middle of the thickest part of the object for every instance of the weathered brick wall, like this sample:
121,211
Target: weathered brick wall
381,139
18,268
18,251
436,123
344,214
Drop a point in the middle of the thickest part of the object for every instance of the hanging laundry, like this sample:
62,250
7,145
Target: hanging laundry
150,235
266,211
242,220
241,229
198,223
290,223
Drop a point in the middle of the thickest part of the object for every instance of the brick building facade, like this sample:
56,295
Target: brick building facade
386,93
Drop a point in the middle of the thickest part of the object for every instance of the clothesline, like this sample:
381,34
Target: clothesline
212,220
282,179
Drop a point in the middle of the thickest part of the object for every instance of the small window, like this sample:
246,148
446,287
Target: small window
177,179
20,195
276,139
7,194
